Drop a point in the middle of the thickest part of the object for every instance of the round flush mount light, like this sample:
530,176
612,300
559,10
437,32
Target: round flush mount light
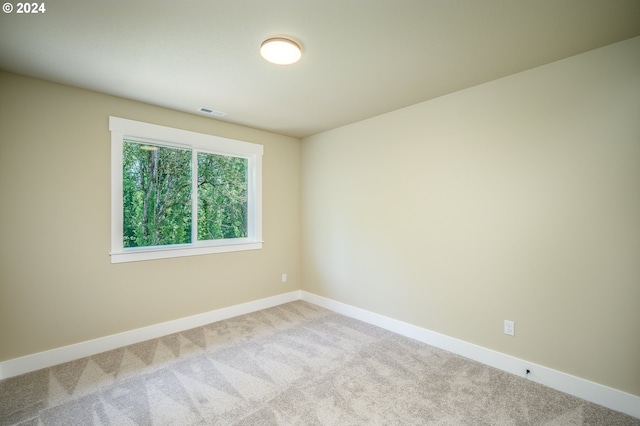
281,51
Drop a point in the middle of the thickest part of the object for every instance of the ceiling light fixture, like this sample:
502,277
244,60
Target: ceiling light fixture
281,51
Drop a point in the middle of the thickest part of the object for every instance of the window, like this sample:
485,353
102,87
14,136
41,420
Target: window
179,193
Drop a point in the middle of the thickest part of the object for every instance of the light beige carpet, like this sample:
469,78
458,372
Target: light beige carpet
295,364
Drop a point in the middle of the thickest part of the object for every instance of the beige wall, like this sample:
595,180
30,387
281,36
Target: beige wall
518,199
57,285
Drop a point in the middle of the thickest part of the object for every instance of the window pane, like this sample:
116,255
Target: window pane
222,197
156,194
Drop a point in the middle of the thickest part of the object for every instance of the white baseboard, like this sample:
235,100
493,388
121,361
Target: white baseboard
585,389
576,386
26,364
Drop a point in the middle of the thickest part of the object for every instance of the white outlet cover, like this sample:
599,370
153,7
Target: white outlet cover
509,328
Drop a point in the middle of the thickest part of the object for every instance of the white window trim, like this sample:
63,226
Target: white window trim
122,129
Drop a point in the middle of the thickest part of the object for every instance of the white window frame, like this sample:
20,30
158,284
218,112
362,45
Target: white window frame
123,129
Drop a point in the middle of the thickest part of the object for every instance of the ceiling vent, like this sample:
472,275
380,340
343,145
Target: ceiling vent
213,112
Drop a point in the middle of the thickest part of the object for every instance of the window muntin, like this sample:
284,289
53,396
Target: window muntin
218,211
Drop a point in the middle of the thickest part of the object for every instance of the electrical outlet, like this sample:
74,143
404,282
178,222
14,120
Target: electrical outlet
284,278
509,328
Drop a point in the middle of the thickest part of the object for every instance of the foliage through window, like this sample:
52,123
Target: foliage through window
222,197
199,194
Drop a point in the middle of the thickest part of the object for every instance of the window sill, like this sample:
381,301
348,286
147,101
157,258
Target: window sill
137,255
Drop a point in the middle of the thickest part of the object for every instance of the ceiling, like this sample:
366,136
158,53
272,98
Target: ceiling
361,57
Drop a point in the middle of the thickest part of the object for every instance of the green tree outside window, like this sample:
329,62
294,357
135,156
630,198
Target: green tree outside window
157,195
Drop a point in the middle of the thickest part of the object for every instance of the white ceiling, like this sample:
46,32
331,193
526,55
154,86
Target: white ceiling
361,57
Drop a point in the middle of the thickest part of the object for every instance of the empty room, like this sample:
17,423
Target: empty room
299,212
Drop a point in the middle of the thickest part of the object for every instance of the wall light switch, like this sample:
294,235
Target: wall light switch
284,278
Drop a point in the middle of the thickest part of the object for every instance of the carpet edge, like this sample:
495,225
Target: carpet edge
582,388
29,363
